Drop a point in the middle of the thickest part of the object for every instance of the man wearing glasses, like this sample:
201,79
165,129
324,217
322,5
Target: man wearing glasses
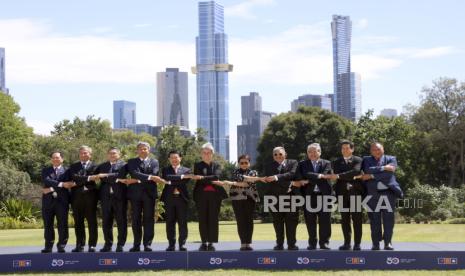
280,173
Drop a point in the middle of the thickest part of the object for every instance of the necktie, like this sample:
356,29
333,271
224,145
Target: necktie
112,168
315,166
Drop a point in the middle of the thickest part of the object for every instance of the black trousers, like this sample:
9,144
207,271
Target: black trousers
243,209
51,209
143,214
285,223
208,209
346,217
114,210
176,211
323,219
84,207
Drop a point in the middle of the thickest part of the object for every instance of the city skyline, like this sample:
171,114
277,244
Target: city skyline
172,98
281,50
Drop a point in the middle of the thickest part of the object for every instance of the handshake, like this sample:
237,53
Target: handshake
66,185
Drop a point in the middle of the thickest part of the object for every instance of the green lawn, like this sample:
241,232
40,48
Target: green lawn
263,231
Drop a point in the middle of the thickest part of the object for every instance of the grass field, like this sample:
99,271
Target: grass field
263,231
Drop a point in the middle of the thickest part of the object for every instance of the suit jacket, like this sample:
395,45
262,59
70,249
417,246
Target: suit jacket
211,173
176,182
138,170
306,171
285,175
80,175
346,172
371,166
50,179
109,184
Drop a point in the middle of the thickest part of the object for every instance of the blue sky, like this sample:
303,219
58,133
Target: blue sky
67,59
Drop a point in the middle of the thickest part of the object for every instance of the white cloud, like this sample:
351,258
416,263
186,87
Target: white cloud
142,25
361,23
433,52
244,9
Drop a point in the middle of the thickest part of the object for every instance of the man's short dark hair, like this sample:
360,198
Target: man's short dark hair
347,142
56,151
174,152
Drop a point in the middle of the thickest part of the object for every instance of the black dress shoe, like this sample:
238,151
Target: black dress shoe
388,246
135,249
243,248
375,247
182,248
106,248
210,247
357,247
203,247
345,247
311,247
46,250
147,248
292,247
78,249
91,249
248,248
61,249
278,247
324,247
170,248
119,248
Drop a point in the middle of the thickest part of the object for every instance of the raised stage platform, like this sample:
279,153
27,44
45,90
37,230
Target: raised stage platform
406,256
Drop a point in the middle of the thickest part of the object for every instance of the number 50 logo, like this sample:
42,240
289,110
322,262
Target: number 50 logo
143,261
215,261
392,260
57,262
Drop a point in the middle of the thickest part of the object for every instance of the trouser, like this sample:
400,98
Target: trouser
208,208
285,223
142,215
85,208
176,211
59,210
382,221
346,217
324,223
243,209
114,209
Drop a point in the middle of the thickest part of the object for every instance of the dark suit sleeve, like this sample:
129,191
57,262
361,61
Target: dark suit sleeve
134,171
112,177
174,177
216,174
288,176
81,180
379,169
349,175
48,181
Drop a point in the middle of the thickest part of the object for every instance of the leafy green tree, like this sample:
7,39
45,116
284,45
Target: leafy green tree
295,131
15,135
12,181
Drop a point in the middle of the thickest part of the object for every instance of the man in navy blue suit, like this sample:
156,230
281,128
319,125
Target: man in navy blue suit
142,196
314,172
55,203
175,196
381,184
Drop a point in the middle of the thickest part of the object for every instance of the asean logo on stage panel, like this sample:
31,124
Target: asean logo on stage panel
355,261
106,262
448,261
22,263
266,260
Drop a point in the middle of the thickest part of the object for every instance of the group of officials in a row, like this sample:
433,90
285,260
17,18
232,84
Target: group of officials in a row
136,181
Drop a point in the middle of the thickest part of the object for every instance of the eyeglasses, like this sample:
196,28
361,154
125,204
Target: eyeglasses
243,163
276,154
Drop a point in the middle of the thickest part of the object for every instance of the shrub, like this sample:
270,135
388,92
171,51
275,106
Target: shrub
19,210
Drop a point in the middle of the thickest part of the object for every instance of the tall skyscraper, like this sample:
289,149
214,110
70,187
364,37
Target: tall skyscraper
212,76
172,98
2,71
347,96
321,101
254,122
124,114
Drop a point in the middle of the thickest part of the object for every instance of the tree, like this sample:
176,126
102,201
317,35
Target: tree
15,135
441,118
12,181
295,131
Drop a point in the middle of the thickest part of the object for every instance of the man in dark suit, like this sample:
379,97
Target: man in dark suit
280,174
84,197
142,196
113,199
314,172
381,184
175,196
55,203
345,168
